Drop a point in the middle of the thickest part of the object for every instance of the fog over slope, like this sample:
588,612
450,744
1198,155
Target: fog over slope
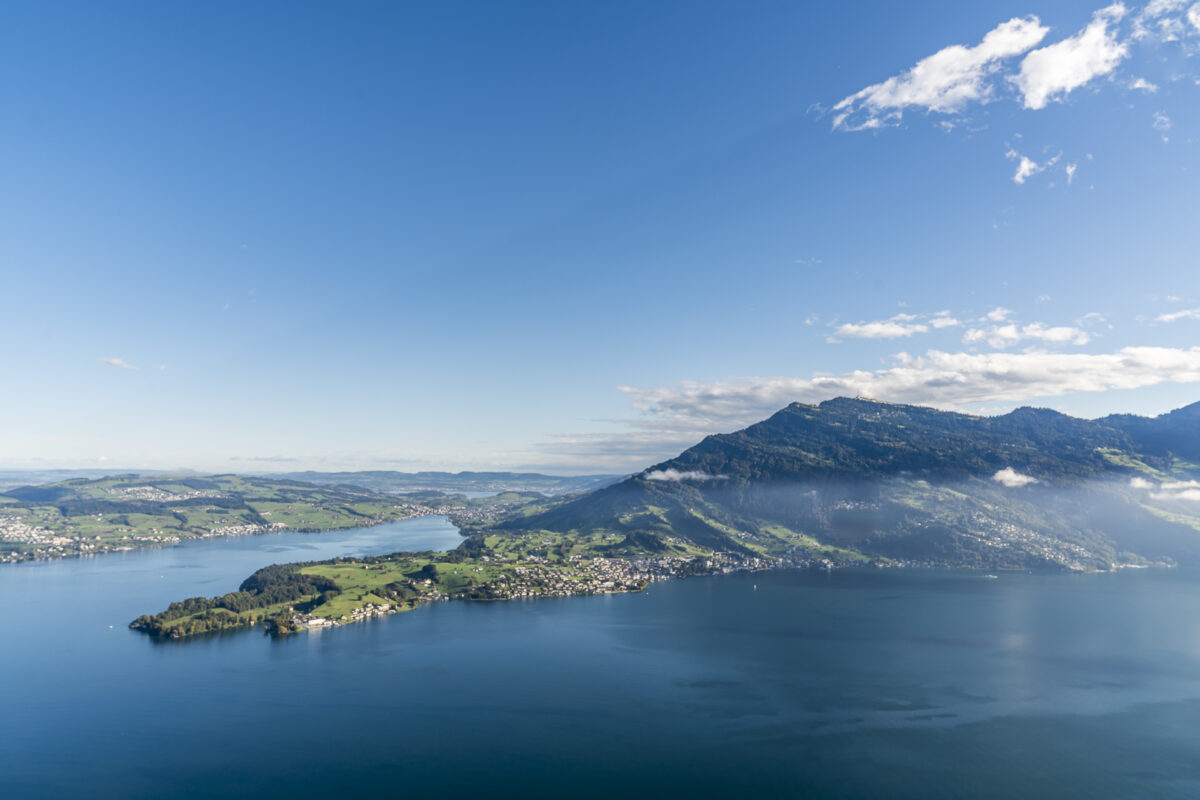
1030,489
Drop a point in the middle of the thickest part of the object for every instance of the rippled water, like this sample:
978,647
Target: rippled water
851,684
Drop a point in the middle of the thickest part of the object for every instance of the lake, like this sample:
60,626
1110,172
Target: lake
873,683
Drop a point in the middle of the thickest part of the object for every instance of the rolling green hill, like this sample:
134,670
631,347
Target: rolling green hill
84,516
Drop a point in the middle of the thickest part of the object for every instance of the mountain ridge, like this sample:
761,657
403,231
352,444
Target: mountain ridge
911,482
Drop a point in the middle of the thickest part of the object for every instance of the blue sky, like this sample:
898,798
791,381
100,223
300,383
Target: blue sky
576,237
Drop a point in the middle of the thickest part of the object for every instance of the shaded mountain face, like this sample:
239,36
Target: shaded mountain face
1032,488
858,439
1175,434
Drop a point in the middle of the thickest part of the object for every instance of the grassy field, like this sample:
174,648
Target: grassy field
486,567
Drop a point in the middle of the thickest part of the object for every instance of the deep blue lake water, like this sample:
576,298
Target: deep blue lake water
899,684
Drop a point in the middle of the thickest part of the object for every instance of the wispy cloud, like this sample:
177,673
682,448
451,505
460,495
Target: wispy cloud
945,82
1001,336
119,363
266,459
1162,20
897,327
942,319
676,476
1175,316
1161,123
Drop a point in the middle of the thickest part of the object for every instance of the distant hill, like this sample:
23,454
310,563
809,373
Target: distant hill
12,478
1033,488
119,512
389,481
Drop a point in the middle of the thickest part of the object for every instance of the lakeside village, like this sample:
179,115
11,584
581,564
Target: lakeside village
535,578
48,544
39,543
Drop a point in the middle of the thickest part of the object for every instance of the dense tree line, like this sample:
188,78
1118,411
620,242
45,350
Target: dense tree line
278,583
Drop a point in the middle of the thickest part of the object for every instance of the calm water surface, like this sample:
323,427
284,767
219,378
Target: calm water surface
791,684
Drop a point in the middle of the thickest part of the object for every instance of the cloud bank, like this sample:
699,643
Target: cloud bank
940,379
673,418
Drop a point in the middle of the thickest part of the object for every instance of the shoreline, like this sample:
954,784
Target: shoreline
518,581
591,577
174,541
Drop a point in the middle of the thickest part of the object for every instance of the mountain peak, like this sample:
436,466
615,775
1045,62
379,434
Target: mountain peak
904,481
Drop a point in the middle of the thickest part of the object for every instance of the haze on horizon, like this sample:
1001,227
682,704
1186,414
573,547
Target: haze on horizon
579,238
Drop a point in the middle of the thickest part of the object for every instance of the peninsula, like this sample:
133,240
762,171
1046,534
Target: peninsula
850,481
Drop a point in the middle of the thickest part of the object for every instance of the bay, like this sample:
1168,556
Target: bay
872,683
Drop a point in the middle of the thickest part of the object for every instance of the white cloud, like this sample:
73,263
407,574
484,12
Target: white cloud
1051,72
944,380
675,476
897,327
1169,490
944,82
999,314
1001,336
1070,170
119,363
954,78
1013,479
1175,316
1026,167
1178,490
